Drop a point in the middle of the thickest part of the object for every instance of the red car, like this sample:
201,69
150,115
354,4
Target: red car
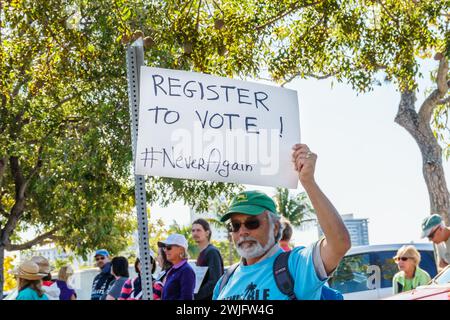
437,289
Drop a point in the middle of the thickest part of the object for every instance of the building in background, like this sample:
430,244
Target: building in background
357,227
53,254
218,234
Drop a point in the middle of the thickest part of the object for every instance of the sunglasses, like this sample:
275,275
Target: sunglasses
250,224
431,236
100,258
169,247
402,258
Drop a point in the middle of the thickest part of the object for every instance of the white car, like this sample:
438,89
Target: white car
366,272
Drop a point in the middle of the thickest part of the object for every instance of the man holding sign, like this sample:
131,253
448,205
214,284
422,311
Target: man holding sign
256,229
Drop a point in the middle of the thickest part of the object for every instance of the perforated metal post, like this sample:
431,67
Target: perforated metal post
135,59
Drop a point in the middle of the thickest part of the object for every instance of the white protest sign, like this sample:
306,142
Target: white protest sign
198,126
200,273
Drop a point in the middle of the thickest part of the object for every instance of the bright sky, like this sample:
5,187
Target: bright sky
367,164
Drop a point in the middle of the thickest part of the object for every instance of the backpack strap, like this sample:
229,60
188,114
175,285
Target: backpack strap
283,277
227,276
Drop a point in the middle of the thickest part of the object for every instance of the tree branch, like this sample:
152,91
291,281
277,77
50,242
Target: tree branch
285,13
426,110
19,204
36,167
66,99
309,75
325,76
387,11
50,235
407,116
2,168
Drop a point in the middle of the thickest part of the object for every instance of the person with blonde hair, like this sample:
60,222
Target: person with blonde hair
179,283
66,293
411,275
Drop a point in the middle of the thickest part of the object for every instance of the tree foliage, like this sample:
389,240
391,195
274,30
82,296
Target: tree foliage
296,208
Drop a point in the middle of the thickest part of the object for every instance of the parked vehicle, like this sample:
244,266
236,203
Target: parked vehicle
437,289
366,272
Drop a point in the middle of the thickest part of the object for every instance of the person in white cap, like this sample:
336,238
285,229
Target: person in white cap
434,229
179,283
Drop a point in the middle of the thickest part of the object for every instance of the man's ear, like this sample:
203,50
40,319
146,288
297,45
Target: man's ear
276,230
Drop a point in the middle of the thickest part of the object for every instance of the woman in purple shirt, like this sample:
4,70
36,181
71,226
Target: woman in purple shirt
179,283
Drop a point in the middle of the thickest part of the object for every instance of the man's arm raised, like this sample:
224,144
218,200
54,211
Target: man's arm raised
337,239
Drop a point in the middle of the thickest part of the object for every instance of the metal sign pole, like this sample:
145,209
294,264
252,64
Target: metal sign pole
135,59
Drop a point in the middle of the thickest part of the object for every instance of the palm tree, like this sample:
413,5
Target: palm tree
297,209
219,207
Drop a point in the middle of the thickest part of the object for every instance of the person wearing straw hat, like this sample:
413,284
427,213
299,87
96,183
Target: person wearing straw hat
434,229
29,281
49,286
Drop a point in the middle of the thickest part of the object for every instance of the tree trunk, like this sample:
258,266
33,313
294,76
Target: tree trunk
2,278
418,125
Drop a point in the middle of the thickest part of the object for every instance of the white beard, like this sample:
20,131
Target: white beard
255,249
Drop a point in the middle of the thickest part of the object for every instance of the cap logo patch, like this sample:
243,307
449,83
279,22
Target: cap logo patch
241,197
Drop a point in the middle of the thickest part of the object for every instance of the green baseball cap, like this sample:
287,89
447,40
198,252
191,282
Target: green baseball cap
429,223
250,202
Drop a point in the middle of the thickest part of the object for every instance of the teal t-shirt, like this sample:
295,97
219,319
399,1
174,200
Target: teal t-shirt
256,282
30,294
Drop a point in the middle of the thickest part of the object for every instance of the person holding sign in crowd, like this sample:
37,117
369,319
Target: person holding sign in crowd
179,283
263,271
209,257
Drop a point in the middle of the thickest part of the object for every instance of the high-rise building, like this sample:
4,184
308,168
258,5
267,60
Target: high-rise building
357,227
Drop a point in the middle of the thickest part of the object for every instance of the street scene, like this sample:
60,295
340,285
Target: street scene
224,150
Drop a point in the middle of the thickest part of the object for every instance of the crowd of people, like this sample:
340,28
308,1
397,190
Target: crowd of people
269,269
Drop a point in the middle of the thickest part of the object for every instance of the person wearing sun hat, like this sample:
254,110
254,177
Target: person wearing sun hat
435,230
256,229
180,280
29,281
49,286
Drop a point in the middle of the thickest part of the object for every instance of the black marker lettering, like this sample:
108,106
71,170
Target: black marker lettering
157,111
173,86
177,117
260,97
230,117
248,124
190,91
226,90
216,115
240,95
155,85
215,92
203,122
